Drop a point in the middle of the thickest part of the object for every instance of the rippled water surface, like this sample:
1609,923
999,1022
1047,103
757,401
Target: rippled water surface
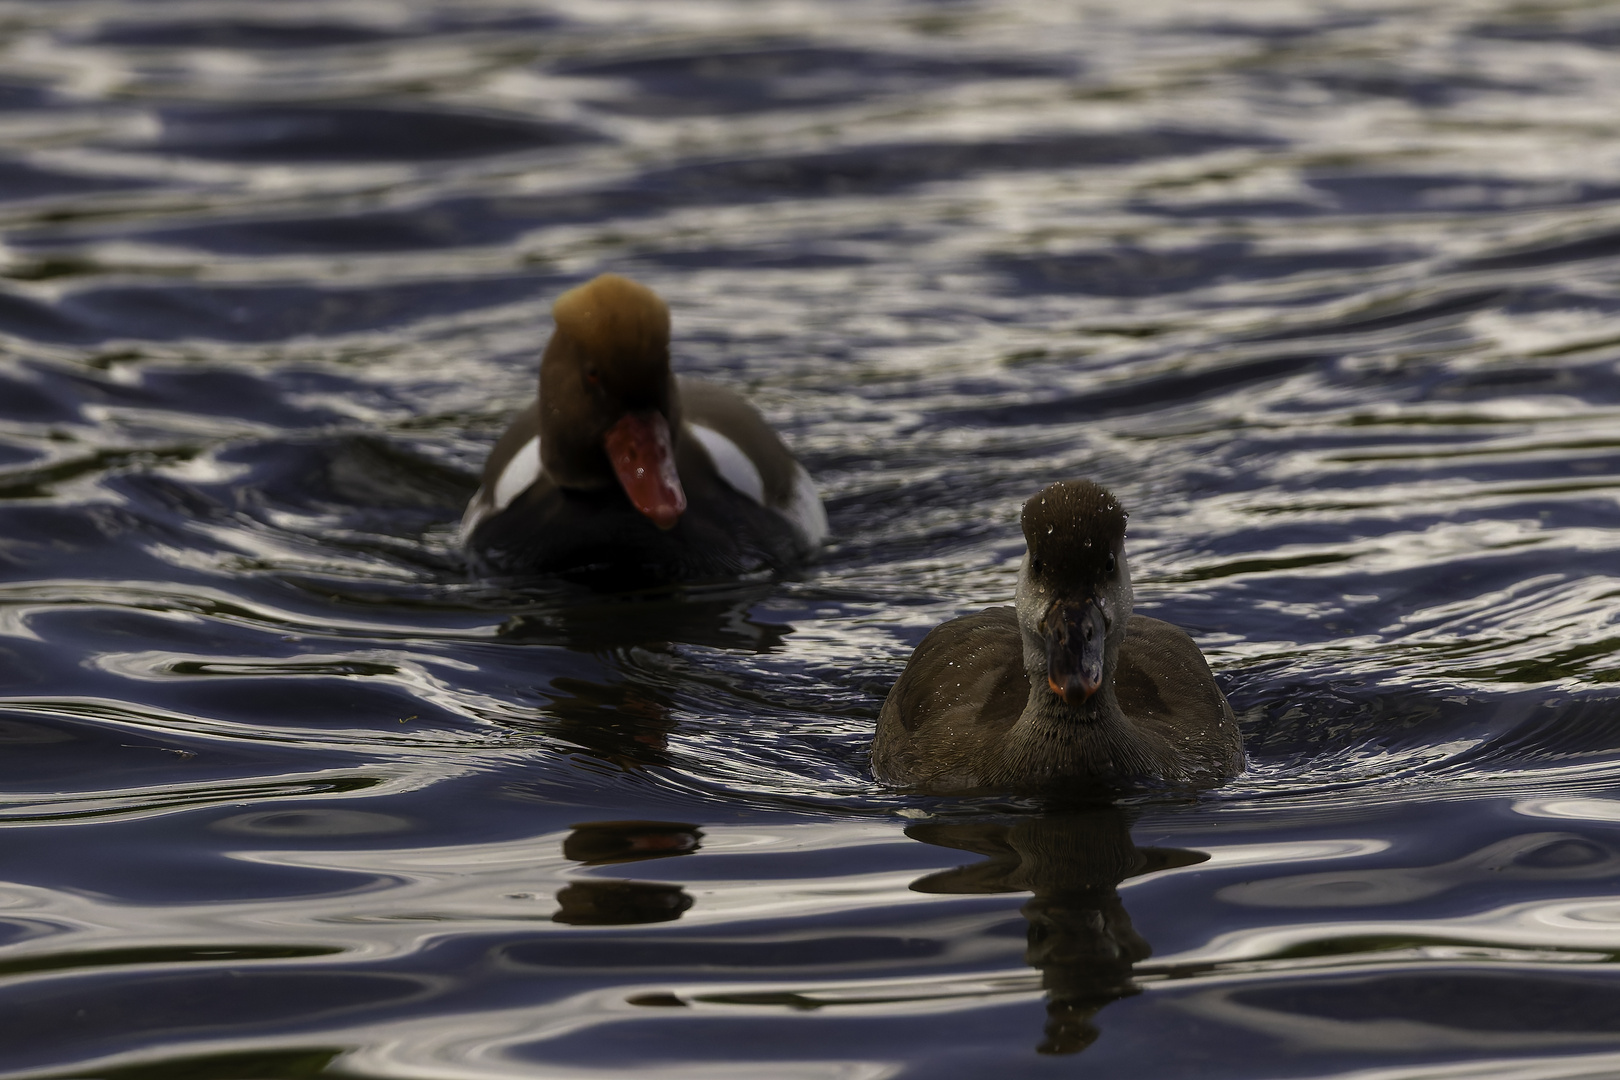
1328,293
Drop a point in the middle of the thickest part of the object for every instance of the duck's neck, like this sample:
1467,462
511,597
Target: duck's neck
1053,739
574,419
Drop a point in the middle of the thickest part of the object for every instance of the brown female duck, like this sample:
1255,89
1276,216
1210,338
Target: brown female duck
625,471
1064,689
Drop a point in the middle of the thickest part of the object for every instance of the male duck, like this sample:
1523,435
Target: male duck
619,468
1064,689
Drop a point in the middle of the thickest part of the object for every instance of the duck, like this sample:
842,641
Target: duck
623,472
1066,691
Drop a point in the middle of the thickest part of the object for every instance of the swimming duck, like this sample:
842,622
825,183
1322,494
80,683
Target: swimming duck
1064,689
621,468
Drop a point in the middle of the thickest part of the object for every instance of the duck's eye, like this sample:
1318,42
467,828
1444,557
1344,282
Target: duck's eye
1034,566
592,377
1108,567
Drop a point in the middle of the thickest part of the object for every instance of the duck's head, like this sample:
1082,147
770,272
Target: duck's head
1074,590
608,407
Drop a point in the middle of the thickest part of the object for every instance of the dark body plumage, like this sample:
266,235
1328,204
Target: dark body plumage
552,529
978,706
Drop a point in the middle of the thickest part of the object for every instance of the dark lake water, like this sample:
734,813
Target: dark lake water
1329,294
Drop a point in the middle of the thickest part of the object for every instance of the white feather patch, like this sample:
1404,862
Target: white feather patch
734,466
805,511
520,472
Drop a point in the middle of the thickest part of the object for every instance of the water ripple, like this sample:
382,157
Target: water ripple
1327,296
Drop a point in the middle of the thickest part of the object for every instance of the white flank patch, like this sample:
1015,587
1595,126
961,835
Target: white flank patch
520,472
805,511
734,466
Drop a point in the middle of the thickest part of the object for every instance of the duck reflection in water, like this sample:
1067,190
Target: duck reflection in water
627,721
1080,937
622,723
620,902
719,617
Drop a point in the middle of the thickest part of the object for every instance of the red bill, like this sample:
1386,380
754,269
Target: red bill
644,459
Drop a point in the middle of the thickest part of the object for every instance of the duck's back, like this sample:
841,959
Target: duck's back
1164,686
964,686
